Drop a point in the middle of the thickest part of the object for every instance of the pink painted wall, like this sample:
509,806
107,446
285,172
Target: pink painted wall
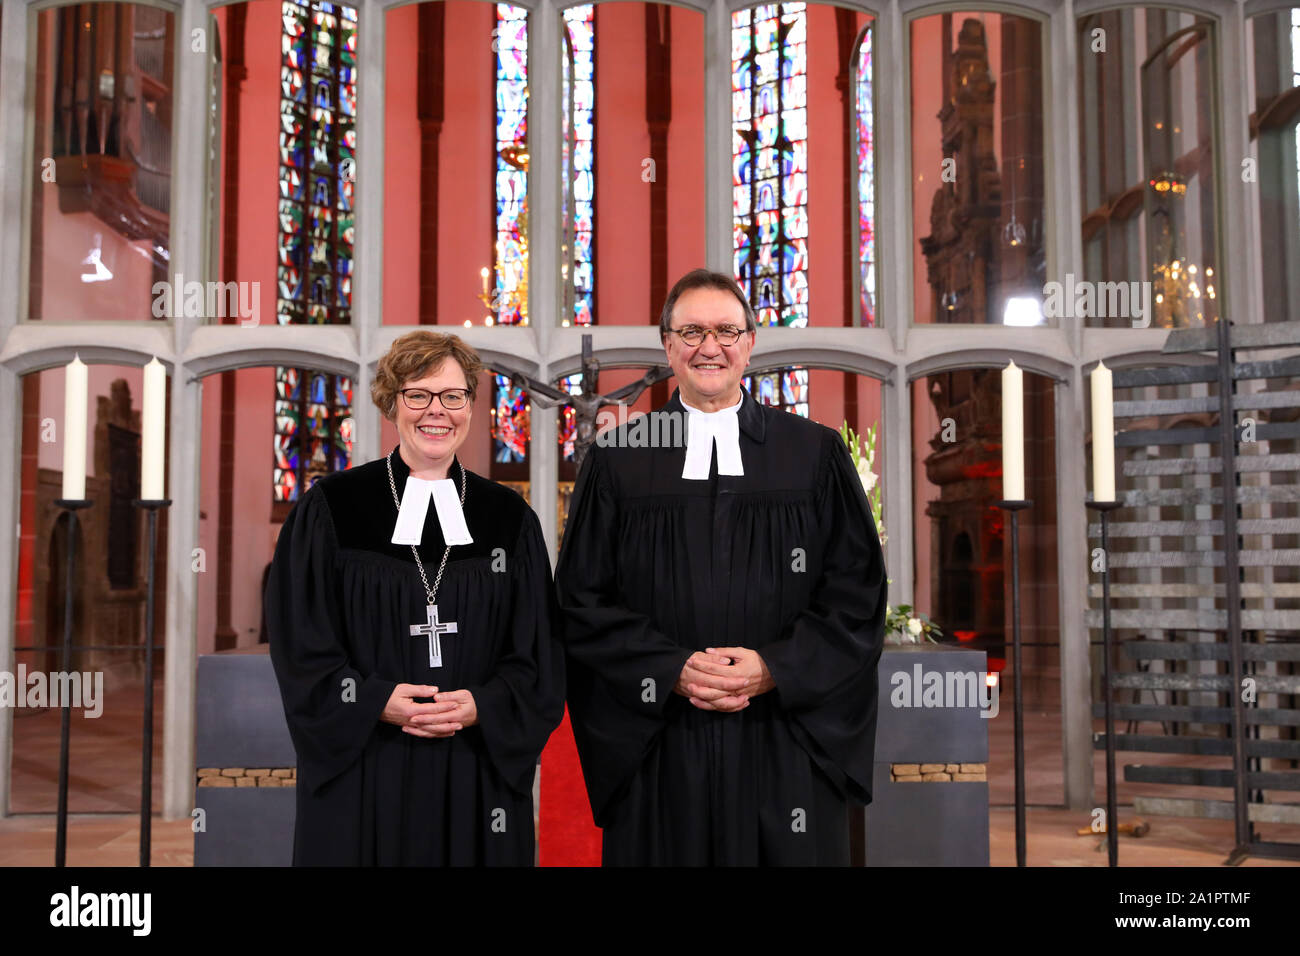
826,396
465,165
69,238
254,533
826,391
465,185
685,145
259,156
401,167
616,378
828,160
253,540
466,173
622,142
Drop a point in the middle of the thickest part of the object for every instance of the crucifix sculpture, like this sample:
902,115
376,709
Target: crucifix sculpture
589,403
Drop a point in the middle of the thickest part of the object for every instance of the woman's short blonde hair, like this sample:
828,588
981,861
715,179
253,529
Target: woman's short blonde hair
415,355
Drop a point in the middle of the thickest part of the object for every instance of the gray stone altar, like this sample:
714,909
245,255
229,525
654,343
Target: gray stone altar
915,819
241,727
939,817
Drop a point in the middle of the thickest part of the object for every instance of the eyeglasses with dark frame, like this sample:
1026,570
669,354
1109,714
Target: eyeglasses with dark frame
694,335
418,399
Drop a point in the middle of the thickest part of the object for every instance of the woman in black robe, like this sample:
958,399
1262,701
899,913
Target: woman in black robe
401,762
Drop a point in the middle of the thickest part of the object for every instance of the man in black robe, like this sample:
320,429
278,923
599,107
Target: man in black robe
724,603
340,601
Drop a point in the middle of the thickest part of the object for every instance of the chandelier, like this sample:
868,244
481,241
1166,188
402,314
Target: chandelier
1179,294
1181,289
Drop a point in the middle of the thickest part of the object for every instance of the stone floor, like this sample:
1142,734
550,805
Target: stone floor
103,830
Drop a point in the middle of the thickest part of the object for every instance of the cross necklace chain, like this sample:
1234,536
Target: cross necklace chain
432,628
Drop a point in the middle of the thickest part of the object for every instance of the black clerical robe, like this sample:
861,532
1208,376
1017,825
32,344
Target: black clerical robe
340,602
785,560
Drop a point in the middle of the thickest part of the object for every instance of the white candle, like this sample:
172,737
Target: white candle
1103,434
75,392
153,419
1013,433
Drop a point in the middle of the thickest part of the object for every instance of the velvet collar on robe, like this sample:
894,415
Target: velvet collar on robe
750,414
361,504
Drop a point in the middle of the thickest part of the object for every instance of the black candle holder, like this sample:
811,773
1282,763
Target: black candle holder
71,506
151,506
1014,507
1104,508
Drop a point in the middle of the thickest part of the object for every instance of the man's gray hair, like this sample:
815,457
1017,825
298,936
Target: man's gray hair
704,279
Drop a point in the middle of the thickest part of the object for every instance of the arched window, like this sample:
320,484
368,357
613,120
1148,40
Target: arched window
1148,153
317,160
313,429
509,422
864,128
785,388
770,160
510,410
579,214
510,46
510,415
313,423
769,115
580,161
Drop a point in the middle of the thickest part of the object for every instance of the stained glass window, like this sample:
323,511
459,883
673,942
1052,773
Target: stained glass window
567,143
568,417
509,422
313,429
318,140
769,117
580,171
769,114
580,153
784,388
863,110
511,255
318,107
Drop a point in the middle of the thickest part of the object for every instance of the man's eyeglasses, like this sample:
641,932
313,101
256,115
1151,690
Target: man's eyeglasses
693,335
418,399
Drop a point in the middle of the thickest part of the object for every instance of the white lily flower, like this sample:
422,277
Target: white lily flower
867,476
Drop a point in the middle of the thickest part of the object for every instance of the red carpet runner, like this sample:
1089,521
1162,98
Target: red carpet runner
568,835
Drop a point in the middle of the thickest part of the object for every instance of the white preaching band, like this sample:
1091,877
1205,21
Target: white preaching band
703,431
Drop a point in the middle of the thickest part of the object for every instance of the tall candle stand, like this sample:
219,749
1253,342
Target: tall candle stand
151,506
1014,507
71,506
1104,508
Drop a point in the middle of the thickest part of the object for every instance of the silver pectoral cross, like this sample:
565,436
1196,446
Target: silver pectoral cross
433,629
